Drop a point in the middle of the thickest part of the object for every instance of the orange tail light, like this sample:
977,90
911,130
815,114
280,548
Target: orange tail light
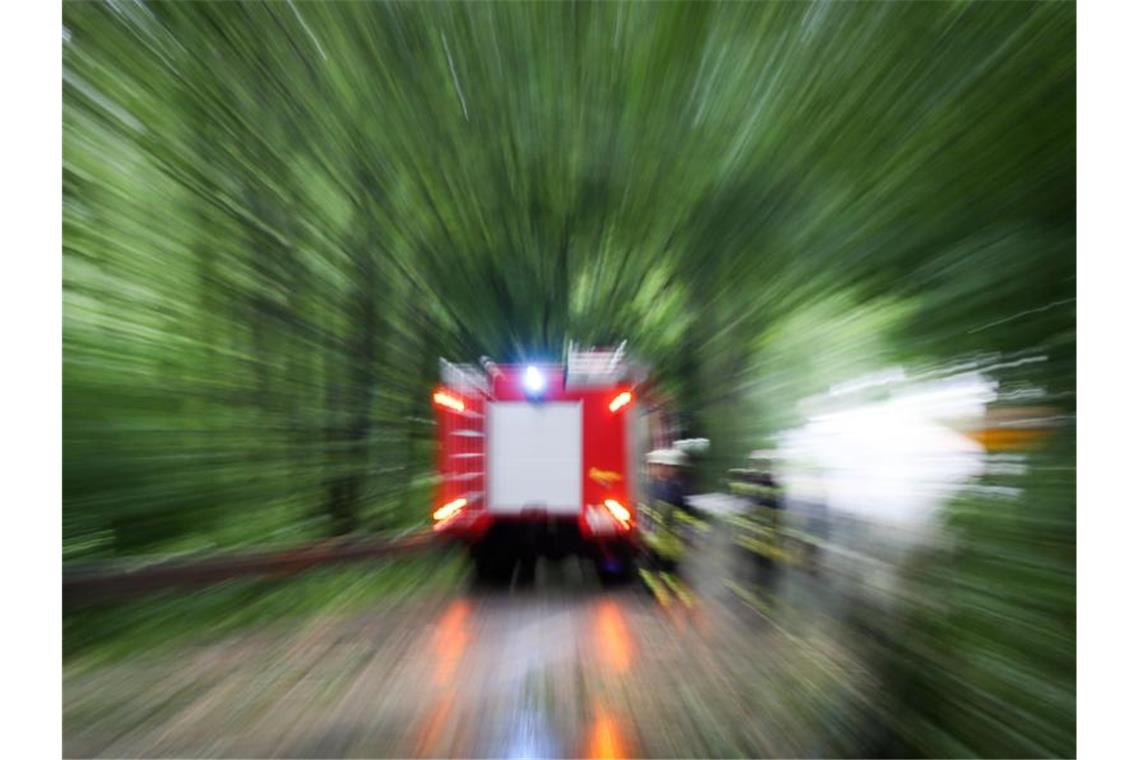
449,401
449,509
620,400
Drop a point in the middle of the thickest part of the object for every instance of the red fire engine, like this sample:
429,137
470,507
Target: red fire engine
542,460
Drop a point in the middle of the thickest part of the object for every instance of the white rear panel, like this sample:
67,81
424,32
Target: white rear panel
535,452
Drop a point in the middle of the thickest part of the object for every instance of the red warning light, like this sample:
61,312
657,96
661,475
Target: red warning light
449,401
620,400
620,513
449,509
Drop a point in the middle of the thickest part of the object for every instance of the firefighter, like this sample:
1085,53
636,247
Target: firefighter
759,530
662,522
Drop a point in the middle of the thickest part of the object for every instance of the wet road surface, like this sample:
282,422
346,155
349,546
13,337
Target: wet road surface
559,668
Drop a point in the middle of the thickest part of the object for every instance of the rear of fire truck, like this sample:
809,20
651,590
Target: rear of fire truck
542,460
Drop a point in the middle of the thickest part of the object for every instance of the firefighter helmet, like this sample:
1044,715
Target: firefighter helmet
668,457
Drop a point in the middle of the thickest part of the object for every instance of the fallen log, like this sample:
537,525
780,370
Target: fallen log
94,583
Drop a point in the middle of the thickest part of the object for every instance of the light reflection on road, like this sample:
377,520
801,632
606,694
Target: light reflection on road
450,640
448,645
612,637
606,740
560,669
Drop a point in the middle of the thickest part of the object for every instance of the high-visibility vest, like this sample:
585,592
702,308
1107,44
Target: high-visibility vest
660,524
756,491
760,532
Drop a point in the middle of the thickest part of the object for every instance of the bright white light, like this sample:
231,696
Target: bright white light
533,380
892,462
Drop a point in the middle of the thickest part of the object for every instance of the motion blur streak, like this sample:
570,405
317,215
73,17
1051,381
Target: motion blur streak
839,239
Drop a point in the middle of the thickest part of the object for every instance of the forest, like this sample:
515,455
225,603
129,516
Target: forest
277,217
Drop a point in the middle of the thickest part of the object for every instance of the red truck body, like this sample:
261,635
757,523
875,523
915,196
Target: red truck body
540,460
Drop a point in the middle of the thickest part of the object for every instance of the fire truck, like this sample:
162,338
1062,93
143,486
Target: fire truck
542,460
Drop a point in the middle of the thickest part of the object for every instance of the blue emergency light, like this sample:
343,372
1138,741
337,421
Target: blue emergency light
534,382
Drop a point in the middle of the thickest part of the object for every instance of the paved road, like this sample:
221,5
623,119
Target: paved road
713,667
